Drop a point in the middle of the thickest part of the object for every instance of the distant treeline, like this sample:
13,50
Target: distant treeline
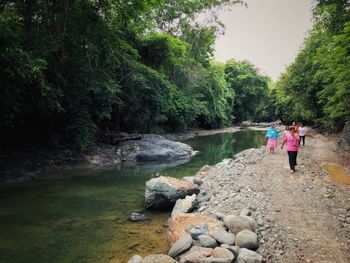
73,69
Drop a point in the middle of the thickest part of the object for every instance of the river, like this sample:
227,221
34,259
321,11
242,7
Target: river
81,215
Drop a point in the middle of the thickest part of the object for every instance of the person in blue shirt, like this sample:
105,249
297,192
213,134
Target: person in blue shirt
272,137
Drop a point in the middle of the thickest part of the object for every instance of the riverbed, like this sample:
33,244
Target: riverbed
81,215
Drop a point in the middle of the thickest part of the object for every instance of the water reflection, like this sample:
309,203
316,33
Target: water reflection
81,215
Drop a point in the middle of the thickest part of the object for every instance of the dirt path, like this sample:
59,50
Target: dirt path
312,211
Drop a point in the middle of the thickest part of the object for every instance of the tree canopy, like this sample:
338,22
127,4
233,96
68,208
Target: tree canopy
72,69
316,87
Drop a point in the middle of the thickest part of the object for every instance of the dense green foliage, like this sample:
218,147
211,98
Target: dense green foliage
316,87
72,69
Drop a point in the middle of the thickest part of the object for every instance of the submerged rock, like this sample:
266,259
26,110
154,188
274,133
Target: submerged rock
163,192
136,217
154,148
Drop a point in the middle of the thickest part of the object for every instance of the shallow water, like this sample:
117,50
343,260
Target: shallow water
338,173
81,215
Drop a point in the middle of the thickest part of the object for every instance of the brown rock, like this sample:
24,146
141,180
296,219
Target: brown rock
179,223
180,184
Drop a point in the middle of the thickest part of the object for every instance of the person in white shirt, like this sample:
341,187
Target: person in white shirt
302,133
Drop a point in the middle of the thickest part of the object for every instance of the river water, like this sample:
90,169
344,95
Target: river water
81,215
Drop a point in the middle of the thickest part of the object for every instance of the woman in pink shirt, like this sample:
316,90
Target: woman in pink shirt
292,140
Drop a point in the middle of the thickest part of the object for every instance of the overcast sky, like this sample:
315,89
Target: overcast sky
268,33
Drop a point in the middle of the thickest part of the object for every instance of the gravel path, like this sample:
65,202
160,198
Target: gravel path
303,217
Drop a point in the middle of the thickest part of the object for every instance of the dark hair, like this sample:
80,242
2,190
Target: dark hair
291,128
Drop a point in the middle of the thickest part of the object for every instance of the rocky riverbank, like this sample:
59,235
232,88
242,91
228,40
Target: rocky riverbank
29,165
299,218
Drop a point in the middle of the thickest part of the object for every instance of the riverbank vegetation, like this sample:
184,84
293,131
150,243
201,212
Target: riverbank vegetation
316,87
74,69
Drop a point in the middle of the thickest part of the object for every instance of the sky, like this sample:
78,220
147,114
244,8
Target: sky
268,33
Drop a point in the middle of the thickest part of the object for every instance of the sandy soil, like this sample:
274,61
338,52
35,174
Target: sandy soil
310,203
304,217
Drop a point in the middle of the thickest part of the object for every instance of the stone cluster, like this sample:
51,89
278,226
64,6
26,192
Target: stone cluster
197,233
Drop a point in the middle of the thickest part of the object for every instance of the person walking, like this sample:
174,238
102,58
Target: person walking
292,140
272,138
302,133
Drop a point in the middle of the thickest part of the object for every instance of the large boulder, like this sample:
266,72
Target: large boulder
345,139
238,223
179,225
163,192
154,148
248,256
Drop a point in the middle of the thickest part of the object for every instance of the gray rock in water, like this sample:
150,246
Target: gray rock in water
237,223
180,246
135,259
185,205
197,230
158,258
247,239
163,192
220,252
136,217
248,256
154,148
207,241
223,237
